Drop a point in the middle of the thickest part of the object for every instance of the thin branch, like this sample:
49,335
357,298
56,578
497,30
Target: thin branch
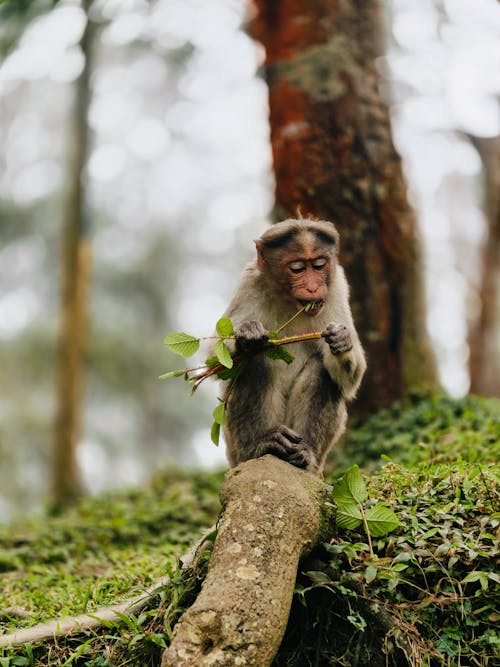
62,627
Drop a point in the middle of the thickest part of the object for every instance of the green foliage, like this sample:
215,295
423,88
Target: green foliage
434,578
427,592
220,418
380,520
104,548
280,353
223,354
350,495
224,360
182,343
219,414
215,433
425,429
227,365
224,327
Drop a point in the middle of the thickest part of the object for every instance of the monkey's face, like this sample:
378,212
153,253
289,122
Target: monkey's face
300,264
308,280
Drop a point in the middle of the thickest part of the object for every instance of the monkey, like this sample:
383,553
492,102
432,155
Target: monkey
298,411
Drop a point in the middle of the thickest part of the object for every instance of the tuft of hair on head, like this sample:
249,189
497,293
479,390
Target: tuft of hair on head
308,216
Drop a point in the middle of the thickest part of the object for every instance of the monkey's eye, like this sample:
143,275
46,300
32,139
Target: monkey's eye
319,263
297,267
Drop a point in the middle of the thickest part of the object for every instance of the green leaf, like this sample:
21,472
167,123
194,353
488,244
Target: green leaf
215,433
223,354
219,414
280,353
272,335
380,520
157,639
231,373
172,374
350,488
319,577
348,516
358,621
399,567
211,361
182,343
224,327
477,575
370,573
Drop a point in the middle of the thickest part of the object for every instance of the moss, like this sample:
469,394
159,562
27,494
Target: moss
425,429
431,593
321,70
105,548
430,596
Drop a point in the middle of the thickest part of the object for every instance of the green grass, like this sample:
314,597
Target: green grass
105,549
433,461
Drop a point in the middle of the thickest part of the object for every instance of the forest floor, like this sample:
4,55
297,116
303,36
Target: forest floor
433,461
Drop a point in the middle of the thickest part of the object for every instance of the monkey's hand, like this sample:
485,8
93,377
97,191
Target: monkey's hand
251,336
289,446
338,338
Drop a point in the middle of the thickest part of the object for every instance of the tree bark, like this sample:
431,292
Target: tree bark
334,159
484,339
273,513
76,268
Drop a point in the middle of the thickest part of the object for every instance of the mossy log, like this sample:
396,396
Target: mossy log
273,514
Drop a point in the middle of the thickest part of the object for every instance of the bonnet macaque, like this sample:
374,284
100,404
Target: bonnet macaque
297,411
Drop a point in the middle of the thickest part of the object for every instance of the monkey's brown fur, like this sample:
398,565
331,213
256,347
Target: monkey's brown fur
297,411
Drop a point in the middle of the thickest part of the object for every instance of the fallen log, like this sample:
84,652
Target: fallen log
273,514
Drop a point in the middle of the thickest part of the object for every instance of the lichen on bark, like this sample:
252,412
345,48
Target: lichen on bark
273,514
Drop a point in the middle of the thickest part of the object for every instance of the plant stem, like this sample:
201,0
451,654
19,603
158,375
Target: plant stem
299,312
367,529
298,338
209,371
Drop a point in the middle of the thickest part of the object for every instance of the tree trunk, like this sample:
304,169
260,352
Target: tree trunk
75,278
334,158
484,339
273,513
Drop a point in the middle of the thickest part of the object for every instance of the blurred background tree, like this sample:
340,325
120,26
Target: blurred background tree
179,181
76,260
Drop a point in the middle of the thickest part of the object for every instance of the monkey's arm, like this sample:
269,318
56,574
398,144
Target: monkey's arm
344,358
343,355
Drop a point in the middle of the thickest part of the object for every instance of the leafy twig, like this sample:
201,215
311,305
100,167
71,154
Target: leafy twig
227,365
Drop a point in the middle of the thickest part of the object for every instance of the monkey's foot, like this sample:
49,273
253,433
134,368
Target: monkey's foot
289,446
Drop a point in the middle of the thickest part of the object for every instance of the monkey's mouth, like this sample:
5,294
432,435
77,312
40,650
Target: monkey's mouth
312,308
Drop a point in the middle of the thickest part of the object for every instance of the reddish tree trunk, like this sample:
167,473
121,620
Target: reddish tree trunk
334,158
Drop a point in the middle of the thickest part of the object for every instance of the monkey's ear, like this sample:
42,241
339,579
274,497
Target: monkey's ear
260,255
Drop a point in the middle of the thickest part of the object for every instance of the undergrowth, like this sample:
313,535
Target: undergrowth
425,430
108,547
430,594
428,597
